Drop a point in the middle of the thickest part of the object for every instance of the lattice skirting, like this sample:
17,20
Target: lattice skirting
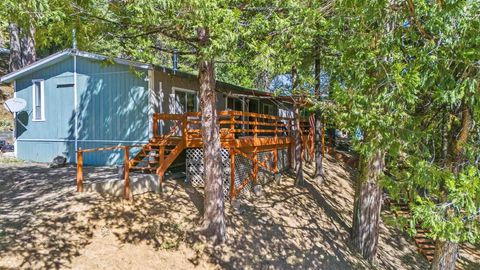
243,167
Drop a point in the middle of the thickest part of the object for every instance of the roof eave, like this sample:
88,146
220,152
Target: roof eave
65,53
10,77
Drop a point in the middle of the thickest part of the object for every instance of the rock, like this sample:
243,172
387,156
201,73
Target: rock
258,190
121,172
58,161
237,206
278,178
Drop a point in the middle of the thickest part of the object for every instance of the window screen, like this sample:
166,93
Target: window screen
37,91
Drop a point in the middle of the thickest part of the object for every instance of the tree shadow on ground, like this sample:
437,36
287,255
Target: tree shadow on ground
39,217
45,224
469,257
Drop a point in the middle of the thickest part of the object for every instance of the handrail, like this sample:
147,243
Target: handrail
126,164
167,116
89,150
231,123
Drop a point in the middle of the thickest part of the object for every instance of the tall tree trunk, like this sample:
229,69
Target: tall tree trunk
446,252
213,217
298,133
15,61
367,205
319,173
445,256
298,148
22,46
27,44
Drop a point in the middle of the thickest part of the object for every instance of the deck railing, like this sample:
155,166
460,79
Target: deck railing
126,165
244,133
233,124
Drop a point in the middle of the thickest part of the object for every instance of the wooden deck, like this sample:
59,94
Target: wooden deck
242,133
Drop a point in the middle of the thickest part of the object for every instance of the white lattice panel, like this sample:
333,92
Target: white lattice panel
243,167
195,169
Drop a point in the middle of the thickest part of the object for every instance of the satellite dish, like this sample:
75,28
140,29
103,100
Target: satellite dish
15,104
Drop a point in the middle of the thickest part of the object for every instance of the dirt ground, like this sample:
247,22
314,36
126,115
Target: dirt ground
45,224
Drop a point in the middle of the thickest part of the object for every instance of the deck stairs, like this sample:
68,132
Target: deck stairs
425,246
157,152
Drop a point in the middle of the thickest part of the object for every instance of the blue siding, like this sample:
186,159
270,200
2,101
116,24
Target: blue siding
112,102
58,102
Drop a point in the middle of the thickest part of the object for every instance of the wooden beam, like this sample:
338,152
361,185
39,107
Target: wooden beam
80,170
275,160
126,163
255,166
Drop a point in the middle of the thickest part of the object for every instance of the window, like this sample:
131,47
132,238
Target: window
234,104
38,100
185,100
268,109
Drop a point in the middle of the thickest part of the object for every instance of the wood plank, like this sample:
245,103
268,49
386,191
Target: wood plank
80,170
126,164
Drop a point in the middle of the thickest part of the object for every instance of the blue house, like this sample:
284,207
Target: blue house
77,99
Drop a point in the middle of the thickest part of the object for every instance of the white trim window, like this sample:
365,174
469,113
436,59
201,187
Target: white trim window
38,100
185,100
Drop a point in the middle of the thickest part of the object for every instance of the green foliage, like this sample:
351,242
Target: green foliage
402,79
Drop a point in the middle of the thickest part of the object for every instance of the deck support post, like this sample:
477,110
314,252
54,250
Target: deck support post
126,189
255,166
232,174
275,159
185,128
80,170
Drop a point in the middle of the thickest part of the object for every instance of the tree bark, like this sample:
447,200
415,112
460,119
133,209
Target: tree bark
319,173
445,256
22,46
367,205
15,61
297,133
298,148
214,220
446,252
27,45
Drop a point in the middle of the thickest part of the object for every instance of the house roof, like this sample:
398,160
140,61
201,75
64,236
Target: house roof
61,55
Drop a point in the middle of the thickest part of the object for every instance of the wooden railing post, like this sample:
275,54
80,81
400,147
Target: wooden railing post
255,127
232,127
275,160
126,162
255,166
276,129
185,128
232,174
80,170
